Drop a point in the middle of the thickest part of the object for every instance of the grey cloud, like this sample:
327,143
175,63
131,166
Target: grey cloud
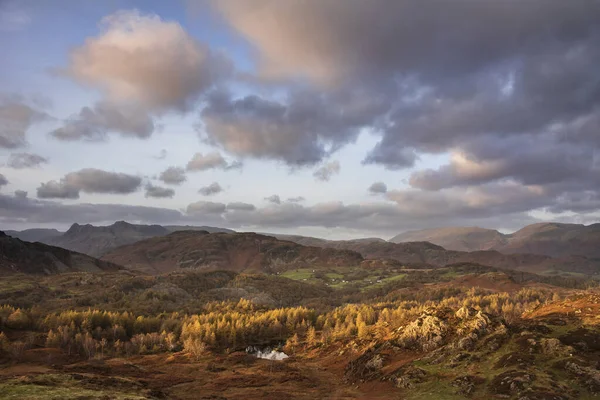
297,199
378,188
336,42
3,180
302,130
162,155
158,191
57,190
211,189
16,209
173,176
89,180
411,209
206,207
214,160
92,180
240,206
526,110
234,165
25,160
97,122
275,199
16,117
325,172
523,158
20,194
382,217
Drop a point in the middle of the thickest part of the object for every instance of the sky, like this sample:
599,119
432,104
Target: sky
332,118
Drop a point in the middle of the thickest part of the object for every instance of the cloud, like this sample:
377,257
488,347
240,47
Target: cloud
20,194
145,67
3,180
336,41
25,160
378,188
89,180
142,59
214,160
325,172
301,130
211,189
158,191
57,190
240,206
205,207
298,199
173,176
275,199
16,117
498,205
97,122
162,155
524,113
17,210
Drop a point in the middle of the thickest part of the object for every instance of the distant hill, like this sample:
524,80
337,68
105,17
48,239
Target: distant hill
549,238
17,256
457,238
555,240
35,235
424,254
209,229
235,252
312,241
98,240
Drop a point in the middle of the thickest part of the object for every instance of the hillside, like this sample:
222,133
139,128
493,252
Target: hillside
549,238
17,256
235,252
422,254
318,242
35,235
455,238
555,240
209,229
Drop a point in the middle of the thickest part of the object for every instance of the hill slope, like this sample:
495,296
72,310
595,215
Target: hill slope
456,238
17,256
549,238
35,235
433,255
555,240
236,252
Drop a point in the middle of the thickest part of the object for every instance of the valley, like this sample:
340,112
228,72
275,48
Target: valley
171,317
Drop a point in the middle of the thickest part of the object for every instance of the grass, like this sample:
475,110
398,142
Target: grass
345,277
298,274
55,386
451,274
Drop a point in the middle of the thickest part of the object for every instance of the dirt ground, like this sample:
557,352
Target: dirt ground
236,376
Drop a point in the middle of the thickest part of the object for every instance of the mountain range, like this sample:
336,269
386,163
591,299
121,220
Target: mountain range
99,240
541,248
549,238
